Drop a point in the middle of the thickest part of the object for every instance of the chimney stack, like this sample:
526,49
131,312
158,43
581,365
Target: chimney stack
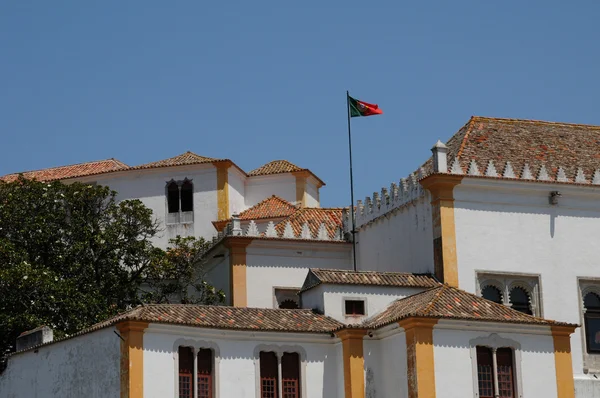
440,161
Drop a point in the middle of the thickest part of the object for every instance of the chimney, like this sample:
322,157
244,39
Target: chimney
31,338
440,161
237,225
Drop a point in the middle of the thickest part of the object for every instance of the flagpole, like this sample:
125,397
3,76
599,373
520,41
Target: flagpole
351,183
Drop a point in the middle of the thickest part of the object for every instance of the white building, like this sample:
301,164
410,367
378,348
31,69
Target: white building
186,193
379,335
506,209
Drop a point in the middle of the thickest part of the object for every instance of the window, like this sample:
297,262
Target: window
354,307
495,372
286,298
270,382
591,304
520,292
180,202
203,380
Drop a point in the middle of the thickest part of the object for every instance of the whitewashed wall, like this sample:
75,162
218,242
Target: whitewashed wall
510,227
149,187
237,191
329,299
272,264
312,193
388,364
402,242
85,366
261,187
237,371
454,366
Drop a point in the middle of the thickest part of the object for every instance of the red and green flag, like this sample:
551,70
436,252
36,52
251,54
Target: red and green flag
361,108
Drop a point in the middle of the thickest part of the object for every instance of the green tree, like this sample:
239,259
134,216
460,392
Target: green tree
72,255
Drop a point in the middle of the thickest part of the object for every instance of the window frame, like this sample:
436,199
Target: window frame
591,359
197,345
279,350
180,217
354,316
507,281
495,342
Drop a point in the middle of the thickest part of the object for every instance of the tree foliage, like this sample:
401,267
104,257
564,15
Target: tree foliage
72,255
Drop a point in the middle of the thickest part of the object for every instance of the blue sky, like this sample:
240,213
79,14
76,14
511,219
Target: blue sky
256,81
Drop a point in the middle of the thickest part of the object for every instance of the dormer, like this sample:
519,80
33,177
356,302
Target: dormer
351,297
286,180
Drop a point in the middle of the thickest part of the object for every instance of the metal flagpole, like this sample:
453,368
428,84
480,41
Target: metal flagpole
351,184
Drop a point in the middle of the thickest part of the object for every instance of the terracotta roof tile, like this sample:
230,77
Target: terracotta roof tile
317,276
446,302
179,160
271,207
71,171
275,167
537,143
314,216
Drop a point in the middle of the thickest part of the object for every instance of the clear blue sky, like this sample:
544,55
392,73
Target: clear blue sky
255,81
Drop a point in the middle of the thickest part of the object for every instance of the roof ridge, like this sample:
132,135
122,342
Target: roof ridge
535,121
67,165
374,272
435,299
464,140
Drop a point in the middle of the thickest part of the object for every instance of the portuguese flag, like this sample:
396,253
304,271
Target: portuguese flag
360,108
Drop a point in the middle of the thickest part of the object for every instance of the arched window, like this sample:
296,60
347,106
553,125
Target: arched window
180,202
271,382
591,302
187,196
492,293
173,197
495,364
202,383
519,300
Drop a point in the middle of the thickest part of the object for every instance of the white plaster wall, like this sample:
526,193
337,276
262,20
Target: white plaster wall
85,366
261,187
149,187
390,370
313,299
509,227
401,242
453,363
236,191
286,266
373,368
377,299
312,193
237,371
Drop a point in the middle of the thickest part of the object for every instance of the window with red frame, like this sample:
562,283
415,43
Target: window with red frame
504,372
203,381
270,382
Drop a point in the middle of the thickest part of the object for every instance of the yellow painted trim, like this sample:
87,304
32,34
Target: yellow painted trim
565,385
237,262
419,356
222,189
354,362
441,187
132,358
301,178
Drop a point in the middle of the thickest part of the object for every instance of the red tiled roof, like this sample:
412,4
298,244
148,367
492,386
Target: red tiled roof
186,158
317,276
314,216
446,302
537,143
275,167
71,171
271,207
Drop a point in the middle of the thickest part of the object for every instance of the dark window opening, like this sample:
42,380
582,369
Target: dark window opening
204,376
268,375
504,372
289,305
591,302
355,307
187,196
290,375
173,197
519,300
186,371
492,293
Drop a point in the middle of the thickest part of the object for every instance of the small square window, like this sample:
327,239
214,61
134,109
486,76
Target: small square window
355,307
